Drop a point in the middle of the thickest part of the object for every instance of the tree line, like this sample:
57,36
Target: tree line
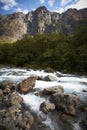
57,51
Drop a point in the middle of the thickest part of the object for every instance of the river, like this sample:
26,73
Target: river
71,83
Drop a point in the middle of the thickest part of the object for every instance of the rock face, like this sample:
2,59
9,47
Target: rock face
51,90
26,85
67,103
42,21
47,107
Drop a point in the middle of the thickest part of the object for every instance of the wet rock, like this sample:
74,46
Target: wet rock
59,74
51,90
37,93
83,108
7,91
84,90
83,121
50,78
68,119
30,118
47,107
1,94
25,120
8,86
14,118
14,98
14,109
67,103
26,85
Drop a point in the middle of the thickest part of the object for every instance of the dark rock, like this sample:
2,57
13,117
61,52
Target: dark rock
67,103
84,90
51,90
68,119
83,121
47,107
49,70
1,94
26,85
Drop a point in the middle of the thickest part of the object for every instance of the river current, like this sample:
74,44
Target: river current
71,83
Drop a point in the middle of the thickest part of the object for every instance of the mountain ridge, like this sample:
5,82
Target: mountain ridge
42,21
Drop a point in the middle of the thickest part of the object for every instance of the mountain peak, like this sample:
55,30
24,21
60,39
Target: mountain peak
42,21
41,8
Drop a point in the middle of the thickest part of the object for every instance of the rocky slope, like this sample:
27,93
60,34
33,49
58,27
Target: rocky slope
42,21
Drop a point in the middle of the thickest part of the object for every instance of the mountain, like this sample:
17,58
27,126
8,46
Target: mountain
42,21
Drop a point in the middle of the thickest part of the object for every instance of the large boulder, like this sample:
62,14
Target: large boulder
13,110
49,78
26,85
47,107
25,120
18,121
67,103
8,86
14,98
51,90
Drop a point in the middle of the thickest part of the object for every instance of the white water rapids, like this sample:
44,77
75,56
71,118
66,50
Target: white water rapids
71,84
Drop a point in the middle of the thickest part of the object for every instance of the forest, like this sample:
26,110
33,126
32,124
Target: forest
56,51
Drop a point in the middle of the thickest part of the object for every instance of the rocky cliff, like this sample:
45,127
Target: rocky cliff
42,21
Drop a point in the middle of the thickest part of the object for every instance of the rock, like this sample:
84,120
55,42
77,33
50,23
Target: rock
8,86
84,90
7,83
1,94
59,74
25,120
47,107
84,108
49,70
68,119
37,93
7,91
83,121
51,90
14,98
50,78
26,85
67,103
30,118
14,109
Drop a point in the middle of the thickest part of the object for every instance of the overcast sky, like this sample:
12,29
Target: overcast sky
10,6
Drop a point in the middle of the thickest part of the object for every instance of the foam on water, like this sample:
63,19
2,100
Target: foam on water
33,101
70,83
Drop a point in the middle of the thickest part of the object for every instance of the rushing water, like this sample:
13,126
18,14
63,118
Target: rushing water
71,84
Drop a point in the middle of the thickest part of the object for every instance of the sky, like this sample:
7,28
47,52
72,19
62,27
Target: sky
25,6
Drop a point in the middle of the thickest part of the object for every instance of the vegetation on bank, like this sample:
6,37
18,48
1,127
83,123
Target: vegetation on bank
57,51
